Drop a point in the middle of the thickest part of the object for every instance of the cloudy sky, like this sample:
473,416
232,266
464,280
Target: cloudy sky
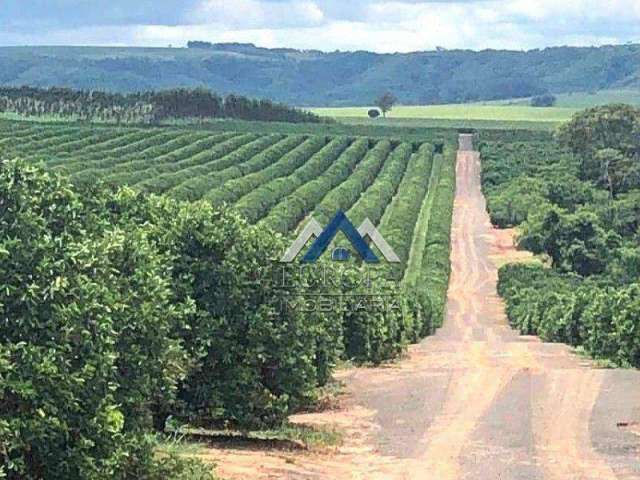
378,25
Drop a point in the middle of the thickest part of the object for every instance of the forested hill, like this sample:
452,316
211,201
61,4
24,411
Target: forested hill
314,78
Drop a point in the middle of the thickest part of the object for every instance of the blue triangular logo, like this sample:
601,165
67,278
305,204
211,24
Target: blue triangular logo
340,223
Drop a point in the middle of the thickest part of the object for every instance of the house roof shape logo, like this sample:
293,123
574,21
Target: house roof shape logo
323,238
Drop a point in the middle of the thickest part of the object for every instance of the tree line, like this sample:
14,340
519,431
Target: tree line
145,107
313,78
577,203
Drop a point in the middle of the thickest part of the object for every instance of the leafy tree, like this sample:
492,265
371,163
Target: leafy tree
577,242
618,172
546,100
385,103
145,107
86,351
607,127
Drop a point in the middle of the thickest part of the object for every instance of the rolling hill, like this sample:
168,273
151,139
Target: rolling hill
315,78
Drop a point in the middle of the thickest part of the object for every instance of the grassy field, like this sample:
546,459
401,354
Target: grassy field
579,100
461,112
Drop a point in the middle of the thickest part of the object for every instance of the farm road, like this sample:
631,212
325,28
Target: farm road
477,400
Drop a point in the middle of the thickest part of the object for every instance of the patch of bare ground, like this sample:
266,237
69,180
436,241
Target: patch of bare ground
475,401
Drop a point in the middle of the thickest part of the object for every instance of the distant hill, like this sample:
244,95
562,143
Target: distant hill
314,78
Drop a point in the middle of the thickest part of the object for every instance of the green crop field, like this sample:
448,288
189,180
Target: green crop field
580,100
191,225
276,180
461,112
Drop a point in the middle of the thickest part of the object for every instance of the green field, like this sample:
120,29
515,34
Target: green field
460,112
580,100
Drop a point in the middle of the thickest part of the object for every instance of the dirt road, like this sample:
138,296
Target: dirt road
476,401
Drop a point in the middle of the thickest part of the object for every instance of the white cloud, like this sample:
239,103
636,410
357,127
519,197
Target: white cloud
378,25
258,14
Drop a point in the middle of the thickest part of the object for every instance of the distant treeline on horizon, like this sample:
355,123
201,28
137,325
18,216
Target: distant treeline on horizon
315,78
145,107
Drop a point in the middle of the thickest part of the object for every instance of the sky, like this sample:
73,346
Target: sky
375,25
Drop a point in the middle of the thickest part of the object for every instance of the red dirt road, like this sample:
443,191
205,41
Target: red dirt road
476,401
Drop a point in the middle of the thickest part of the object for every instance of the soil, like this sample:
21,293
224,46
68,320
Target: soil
476,400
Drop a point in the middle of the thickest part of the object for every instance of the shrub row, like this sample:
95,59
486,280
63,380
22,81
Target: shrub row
398,226
347,194
78,145
196,188
237,188
33,141
166,181
72,142
137,308
257,204
376,334
87,349
564,308
401,216
148,166
436,265
287,214
375,199
135,165
98,151
101,149
379,335
161,142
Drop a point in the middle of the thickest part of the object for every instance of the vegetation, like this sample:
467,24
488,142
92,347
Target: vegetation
385,103
459,112
99,311
313,78
578,203
546,100
143,107
169,309
581,100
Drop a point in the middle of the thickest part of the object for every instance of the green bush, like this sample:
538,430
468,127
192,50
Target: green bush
118,310
254,362
566,308
86,312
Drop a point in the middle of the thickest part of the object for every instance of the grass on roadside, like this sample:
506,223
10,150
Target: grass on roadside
294,436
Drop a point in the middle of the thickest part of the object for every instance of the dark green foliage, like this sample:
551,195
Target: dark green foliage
144,107
577,242
337,78
602,319
598,134
581,210
516,178
436,267
385,102
187,278
546,100
237,188
348,193
289,212
253,362
86,312
257,204
137,308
